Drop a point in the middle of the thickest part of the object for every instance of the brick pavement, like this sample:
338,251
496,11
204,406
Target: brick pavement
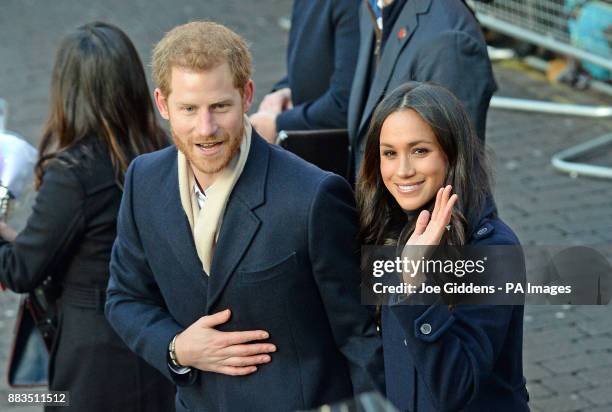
567,350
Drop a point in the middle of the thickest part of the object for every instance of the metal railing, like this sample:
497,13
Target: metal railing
574,28
581,29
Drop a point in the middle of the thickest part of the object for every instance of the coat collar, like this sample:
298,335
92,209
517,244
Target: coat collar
359,92
179,234
482,220
251,184
240,224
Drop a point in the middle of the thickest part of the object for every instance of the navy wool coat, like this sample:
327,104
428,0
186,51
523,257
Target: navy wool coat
285,261
469,359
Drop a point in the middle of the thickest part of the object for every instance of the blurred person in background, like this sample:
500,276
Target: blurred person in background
437,41
321,59
100,118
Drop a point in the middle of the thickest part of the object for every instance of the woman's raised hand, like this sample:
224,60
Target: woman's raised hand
428,231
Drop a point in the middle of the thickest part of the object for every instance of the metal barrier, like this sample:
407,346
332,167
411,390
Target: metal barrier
561,160
577,28
574,28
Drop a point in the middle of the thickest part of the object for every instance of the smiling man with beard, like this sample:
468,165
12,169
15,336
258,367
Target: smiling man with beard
235,269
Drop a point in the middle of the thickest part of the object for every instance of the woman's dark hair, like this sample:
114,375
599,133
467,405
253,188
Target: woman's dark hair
98,88
381,217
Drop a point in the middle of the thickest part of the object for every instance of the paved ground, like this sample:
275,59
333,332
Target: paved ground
567,350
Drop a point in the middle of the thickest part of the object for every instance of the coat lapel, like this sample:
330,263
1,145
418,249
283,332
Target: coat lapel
180,234
402,31
358,90
239,224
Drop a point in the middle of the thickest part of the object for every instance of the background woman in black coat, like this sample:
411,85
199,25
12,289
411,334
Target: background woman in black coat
100,118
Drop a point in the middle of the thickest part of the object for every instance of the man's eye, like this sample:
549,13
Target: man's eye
188,109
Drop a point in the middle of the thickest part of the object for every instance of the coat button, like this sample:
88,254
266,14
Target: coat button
425,328
482,231
405,342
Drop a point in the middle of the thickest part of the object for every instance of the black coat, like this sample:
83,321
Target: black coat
69,236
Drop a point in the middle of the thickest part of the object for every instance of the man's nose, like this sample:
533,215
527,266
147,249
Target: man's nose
207,126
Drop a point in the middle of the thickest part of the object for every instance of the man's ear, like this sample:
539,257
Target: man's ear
248,94
162,103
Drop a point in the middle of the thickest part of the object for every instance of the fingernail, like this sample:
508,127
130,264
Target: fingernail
265,335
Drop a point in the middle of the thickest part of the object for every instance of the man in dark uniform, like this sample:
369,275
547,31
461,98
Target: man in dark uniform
436,41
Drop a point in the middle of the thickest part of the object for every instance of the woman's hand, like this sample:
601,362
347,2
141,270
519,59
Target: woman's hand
428,232
6,232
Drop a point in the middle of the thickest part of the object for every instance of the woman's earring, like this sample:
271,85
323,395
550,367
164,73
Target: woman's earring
448,228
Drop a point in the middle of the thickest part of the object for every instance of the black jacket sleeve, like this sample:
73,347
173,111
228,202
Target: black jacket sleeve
57,220
329,110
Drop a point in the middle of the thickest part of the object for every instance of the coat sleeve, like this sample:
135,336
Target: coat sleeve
455,350
281,84
333,249
134,305
329,110
457,61
48,239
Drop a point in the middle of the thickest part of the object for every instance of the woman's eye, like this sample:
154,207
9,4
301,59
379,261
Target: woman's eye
419,151
388,153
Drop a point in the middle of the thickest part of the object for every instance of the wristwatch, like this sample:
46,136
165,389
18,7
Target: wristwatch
172,353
